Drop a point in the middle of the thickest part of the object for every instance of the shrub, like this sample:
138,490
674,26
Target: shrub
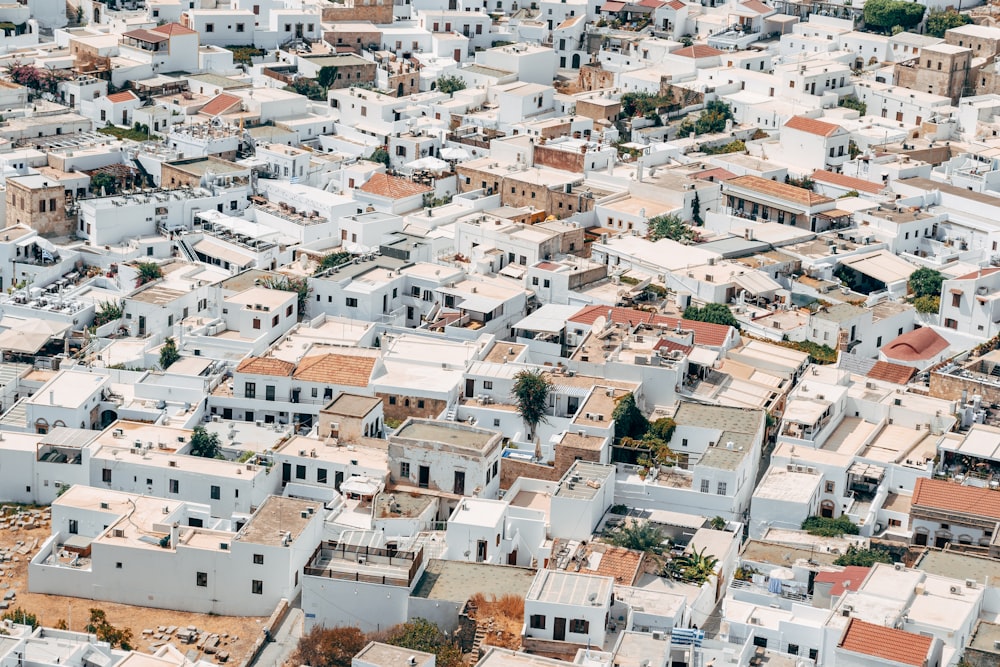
927,304
826,527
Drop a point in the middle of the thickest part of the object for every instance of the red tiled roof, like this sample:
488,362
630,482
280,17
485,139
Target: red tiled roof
887,371
546,266
922,343
941,495
146,36
344,369
174,29
672,346
697,51
784,191
655,4
705,333
612,6
849,182
617,562
717,174
393,187
847,580
676,4
220,104
978,273
266,366
757,6
887,643
124,96
812,126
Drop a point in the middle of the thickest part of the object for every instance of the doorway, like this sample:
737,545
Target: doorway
559,629
424,477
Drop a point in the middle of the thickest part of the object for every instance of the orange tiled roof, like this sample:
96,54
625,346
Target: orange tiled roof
757,6
890,372
979,273
887,643
124,96
617,562
147,36
938,494
812,126
784,191
716,174
922,343
221,103
174,29
393,187
697,51
266,366
675,5
859,184
848,579
351,370
705,333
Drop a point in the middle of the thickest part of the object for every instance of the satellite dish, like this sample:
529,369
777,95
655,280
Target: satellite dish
599,324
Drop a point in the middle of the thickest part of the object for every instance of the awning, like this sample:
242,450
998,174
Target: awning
866,470
32,336
361,486
226,254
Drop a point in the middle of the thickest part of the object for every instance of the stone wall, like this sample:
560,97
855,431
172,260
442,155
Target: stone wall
373,11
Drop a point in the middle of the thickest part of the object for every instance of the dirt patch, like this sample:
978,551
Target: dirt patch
236,634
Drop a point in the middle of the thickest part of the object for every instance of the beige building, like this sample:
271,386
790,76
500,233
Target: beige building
941,69
40,203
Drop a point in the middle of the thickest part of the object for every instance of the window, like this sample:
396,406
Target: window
269,392
704,486
214,492
420,403
201,578
956,300
537,621
950,323
275,320
579,625
106,475
256,323
258,559
289,310
321,475
175,486
74,527
830,486
352,302
118,565
250,390
239,27
760,641
945,526
404,470
487,384
209,27
895,523
720,489
793,649
257,587
813,653
300,472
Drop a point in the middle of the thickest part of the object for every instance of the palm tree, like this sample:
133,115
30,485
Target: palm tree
696,567
531,395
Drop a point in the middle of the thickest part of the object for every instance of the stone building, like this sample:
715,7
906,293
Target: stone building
40,203
941,69
372,11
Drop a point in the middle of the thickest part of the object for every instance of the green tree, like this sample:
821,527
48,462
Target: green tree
422,635
629,420
168,353
926,282
826,527
100,626
332,260
671,227
643,536
716,313
712,119
309,88
18,615
662,429
939,22
863,557
852,102
300,286
205,444
329,647
107,311
380,154
886,14
718,523
450,84
325,78
734,146
929,303
696,209
531,396
695,566
103,181
148,272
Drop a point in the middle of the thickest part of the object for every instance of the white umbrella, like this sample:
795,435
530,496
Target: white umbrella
450,153
430,163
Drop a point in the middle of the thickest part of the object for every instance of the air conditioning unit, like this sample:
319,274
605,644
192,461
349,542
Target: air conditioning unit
118,433
898,566
658,635
970,583
955,590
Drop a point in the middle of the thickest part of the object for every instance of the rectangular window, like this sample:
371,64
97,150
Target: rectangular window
174,486
704,486
321,475
256,323
209,27
352,302
830,486
487,384
538,621
106,475
404,470
201,578
720,489
269,392
956,300
793,649
239,27
250,390
74,527
215,492
300,472
579,626
258,559
257,587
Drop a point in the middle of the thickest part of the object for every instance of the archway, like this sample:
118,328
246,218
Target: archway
399,90
576,61
108,417
826,509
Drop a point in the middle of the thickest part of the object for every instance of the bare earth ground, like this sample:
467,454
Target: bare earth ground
50,609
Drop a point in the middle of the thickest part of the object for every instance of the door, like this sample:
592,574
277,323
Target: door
470,387
576,61
481,551
338,479
920,539
424,477
459,483
512,557
399,90
559,629
458,55
286,472
142,325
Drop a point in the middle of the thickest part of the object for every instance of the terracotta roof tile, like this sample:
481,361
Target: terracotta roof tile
784,191
859,184
266,366
393,187
941,495
654,4
221,103
147,36
697,51
174,29
890,372
124,96
919,344
624,565
350,370
676,4
716,174
849,579
705,333
612,6
758,6
978,273
887,643
672,346
812,126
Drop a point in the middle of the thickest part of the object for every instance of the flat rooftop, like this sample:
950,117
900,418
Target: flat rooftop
387,655
277,516
352,405
953,564
445,433
583,480
457,581
571,588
